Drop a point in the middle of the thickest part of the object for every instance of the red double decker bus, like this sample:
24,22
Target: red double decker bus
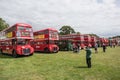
93,41
15,40
87,40
66,41
45,40
104,41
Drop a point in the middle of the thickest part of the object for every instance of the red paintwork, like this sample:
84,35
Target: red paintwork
44,40
75,38
7,45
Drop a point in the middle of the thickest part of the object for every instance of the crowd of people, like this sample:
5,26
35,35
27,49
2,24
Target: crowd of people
88,49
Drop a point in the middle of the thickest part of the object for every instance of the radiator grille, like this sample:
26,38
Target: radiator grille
26,51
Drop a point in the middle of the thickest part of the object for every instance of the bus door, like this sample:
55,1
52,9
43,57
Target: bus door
5,47
9,47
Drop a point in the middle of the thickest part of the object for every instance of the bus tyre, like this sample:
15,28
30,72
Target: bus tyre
31,54
46,50
56,51
14,54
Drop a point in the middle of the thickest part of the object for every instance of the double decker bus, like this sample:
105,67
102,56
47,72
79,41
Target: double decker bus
104,41
87,40
15,40
66,41
93,41
45,40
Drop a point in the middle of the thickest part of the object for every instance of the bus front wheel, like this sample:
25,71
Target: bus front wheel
14,54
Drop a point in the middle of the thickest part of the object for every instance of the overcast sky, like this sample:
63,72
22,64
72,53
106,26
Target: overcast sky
101,17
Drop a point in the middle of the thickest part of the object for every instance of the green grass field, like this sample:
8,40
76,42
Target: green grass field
62,66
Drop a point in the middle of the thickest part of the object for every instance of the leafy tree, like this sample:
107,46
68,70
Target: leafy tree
94,35
78,33
3,24
118,36
66,30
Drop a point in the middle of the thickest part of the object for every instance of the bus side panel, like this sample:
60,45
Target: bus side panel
10,49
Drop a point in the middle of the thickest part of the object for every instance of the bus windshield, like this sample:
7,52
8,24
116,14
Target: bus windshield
53,34
22,42
51,42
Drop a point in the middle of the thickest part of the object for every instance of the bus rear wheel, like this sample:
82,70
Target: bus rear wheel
46,50
14,54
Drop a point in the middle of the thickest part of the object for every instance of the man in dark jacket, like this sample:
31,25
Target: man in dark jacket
88,56
104,47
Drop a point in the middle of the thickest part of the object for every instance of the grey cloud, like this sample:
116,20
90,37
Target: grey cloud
86,16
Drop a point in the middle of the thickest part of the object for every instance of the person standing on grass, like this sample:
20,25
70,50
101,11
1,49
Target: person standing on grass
96,46
88,56
104,47
114,45
78,47
74,48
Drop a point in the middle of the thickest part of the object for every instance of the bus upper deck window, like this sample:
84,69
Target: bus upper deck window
28,29
21,28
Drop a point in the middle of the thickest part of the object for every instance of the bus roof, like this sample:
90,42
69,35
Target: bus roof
17,24
22,24
53,29
9,31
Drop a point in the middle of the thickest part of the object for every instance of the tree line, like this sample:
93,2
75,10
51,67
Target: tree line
3,24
